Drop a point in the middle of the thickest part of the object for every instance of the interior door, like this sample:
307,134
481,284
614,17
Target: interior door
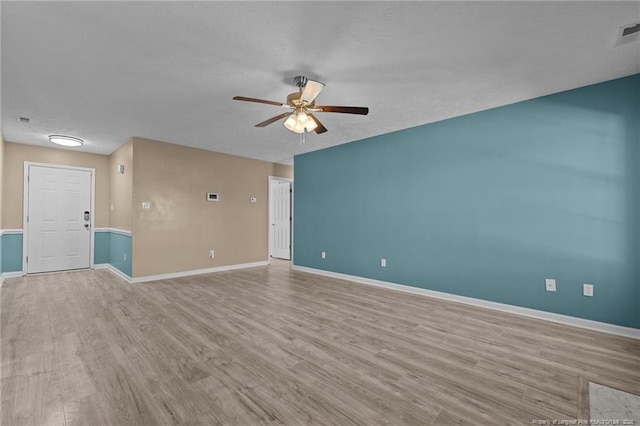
280,199
59,219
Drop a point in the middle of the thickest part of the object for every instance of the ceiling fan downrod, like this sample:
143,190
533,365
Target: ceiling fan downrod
300,81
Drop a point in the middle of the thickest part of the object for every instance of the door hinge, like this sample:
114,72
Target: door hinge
27,219
27,259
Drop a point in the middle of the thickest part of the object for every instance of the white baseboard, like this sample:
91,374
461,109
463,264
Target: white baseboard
197,272
114,271
9,275
618,330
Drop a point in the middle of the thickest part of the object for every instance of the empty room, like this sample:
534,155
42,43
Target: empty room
333,213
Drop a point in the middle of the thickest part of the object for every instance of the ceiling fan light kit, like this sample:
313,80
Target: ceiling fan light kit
302,106
300,122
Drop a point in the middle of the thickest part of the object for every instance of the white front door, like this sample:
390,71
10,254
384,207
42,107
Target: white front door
280,204
58,219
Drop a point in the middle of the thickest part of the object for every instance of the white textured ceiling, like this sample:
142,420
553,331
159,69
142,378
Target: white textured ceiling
106,71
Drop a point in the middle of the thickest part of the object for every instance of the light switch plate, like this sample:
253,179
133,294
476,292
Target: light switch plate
587,290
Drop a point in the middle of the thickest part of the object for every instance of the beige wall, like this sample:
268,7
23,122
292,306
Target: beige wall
1,175
180,228
280,170
121,187
14,157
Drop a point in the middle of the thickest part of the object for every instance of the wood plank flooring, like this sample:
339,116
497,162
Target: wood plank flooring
274,346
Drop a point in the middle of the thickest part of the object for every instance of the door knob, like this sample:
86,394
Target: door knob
86,225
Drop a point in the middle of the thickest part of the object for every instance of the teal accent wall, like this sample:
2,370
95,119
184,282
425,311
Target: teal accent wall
101,247
119,248
112,248
109,247
11,252
490,204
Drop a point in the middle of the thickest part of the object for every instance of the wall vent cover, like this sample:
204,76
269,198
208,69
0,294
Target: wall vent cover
628,34
24,120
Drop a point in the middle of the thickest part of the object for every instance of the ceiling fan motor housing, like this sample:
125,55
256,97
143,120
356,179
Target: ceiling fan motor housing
293,99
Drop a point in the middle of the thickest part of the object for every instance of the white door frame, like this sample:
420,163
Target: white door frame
279,179
25,208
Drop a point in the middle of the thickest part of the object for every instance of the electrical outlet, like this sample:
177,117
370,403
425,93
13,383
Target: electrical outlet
383,263
212,254
324,255
587,290
550,284
146,205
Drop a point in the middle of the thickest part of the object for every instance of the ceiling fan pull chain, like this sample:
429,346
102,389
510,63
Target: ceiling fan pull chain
302,137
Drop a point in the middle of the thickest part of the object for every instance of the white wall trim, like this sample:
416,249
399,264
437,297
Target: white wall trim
148,278
114,271
10,231
197,272
9,275
618,330
113,230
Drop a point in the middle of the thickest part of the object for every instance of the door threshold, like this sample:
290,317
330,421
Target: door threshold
30,274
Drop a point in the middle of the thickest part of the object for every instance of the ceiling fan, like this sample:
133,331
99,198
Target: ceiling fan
300,118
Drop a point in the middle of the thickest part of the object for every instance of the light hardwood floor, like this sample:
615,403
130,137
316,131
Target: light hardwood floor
274,346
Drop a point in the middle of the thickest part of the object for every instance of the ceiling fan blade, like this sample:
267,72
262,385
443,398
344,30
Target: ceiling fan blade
273,119
259,101
311,90
343,109
320,128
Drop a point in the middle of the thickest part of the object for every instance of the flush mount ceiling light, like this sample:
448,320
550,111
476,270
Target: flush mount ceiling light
65,140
